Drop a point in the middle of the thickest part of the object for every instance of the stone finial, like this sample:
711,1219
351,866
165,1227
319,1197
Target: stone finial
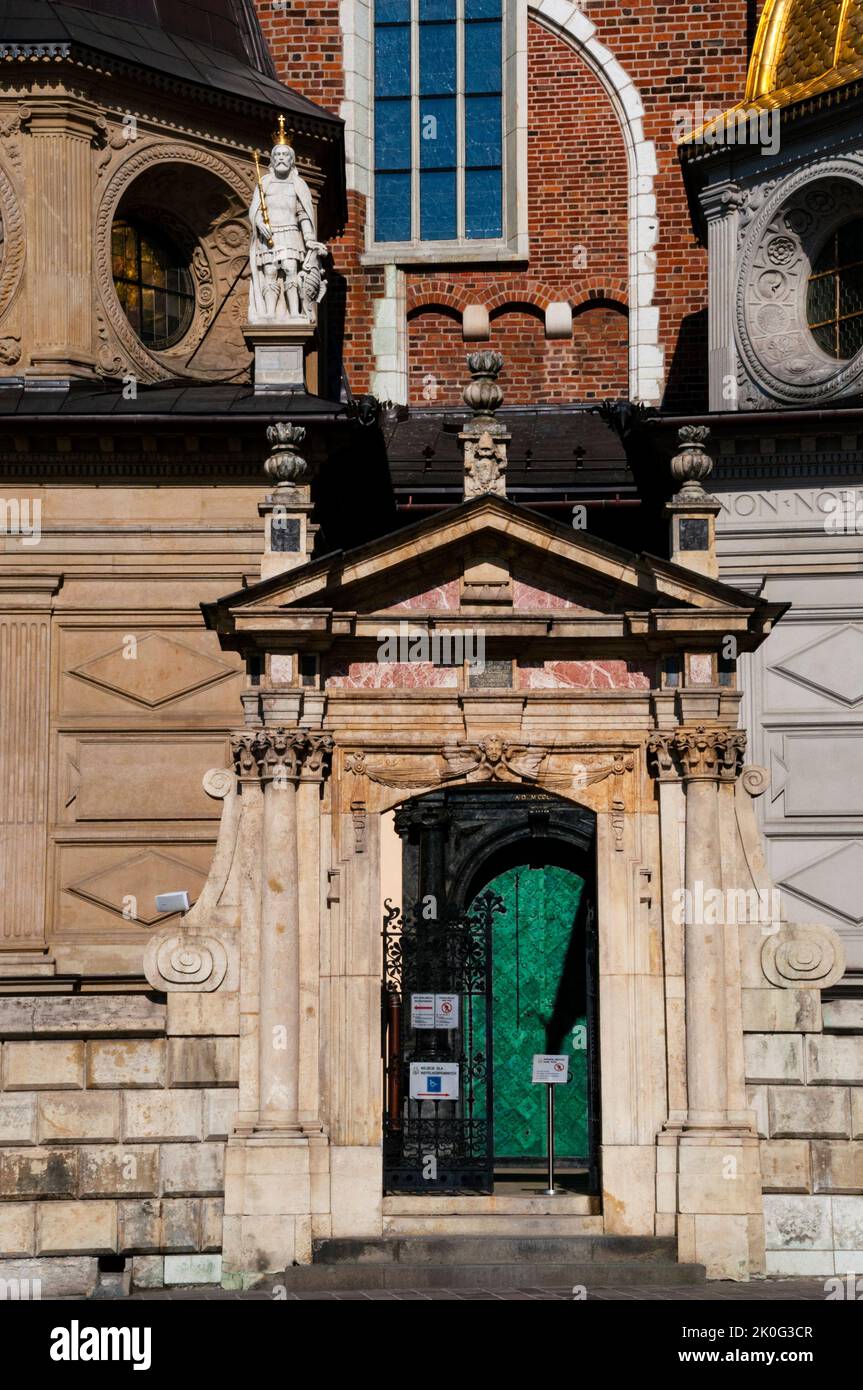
285,465
692,462
482,393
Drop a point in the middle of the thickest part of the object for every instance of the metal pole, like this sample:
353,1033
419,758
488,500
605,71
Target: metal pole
550,1190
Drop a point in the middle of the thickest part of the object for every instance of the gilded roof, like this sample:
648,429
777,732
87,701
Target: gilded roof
803,48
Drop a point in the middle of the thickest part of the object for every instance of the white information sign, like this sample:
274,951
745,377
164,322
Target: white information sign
550,1067
446,1011
434,1011
434,1080
422,1011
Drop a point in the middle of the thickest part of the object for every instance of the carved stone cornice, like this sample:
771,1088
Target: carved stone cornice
702,754
282,755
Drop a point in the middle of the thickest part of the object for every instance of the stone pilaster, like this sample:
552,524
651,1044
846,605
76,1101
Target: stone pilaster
277,1163
708,1162
60,240
25,671
721,205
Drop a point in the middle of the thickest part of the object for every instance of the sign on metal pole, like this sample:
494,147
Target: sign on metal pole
550,1068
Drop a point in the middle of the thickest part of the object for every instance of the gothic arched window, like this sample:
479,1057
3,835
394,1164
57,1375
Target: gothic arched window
439,120
153,283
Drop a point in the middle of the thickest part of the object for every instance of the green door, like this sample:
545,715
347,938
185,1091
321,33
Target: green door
538,1005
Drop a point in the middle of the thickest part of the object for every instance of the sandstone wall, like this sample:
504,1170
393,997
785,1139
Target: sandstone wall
114,1111
807,1091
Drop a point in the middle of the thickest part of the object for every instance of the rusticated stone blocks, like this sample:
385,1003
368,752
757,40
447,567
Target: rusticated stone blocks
38,1172
132,1062
67,1228
162,1116
43,1066
203,1062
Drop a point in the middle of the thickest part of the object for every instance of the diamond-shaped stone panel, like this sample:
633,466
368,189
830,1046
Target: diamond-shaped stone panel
833,664
141,876
833,881
154,671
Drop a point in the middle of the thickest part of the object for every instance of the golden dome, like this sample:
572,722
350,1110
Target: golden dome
804,47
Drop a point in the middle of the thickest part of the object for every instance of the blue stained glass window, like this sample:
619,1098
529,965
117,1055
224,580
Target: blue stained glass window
437,59
482,131
392,11
393,60
437,133
393,134
438,123
482,196
392,207
437,206
436,9
482,61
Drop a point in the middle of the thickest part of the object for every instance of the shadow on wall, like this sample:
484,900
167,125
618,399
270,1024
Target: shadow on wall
687,386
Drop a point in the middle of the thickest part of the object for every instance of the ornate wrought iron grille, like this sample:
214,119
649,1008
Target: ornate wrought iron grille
438,1145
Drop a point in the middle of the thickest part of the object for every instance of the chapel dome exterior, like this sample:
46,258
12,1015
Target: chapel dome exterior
805,47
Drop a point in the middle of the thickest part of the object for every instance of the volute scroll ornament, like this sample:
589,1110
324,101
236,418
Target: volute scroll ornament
177,961
803,957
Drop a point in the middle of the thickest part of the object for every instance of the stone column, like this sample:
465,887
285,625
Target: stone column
25,671
721,204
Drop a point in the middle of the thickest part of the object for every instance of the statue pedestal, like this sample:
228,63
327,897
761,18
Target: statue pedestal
281,348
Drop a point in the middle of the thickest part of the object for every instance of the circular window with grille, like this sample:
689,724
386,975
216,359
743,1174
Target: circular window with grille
153,282
835,296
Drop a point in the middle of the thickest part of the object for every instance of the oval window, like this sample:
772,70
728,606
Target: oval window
153,284
835,298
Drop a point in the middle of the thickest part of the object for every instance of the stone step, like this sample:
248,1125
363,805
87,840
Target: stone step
591,1274
493,1250
518,1204
517,1224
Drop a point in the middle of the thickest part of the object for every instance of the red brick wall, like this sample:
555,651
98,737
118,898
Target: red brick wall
676,54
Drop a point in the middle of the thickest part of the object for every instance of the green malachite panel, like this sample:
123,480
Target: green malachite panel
530,945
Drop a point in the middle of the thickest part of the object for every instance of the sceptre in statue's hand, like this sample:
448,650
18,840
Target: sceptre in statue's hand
265,216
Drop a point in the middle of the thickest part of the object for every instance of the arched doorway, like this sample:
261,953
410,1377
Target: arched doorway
499,892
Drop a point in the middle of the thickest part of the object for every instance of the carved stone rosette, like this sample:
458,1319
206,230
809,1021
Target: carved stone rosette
702,754
283,755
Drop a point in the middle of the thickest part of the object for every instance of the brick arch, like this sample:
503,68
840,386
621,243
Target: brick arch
518,305
437,292
600,301
645,377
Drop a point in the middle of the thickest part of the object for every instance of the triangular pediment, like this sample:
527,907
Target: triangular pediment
488,559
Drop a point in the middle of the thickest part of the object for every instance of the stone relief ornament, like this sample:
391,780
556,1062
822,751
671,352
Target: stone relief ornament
787,225
492,759
484,467
287,282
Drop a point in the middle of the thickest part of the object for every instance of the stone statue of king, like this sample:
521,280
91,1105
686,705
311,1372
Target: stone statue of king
285,255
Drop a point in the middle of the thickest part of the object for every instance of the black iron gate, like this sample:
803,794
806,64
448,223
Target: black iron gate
438,1145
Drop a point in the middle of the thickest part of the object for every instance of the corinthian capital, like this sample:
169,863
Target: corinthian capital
282,755
697,755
